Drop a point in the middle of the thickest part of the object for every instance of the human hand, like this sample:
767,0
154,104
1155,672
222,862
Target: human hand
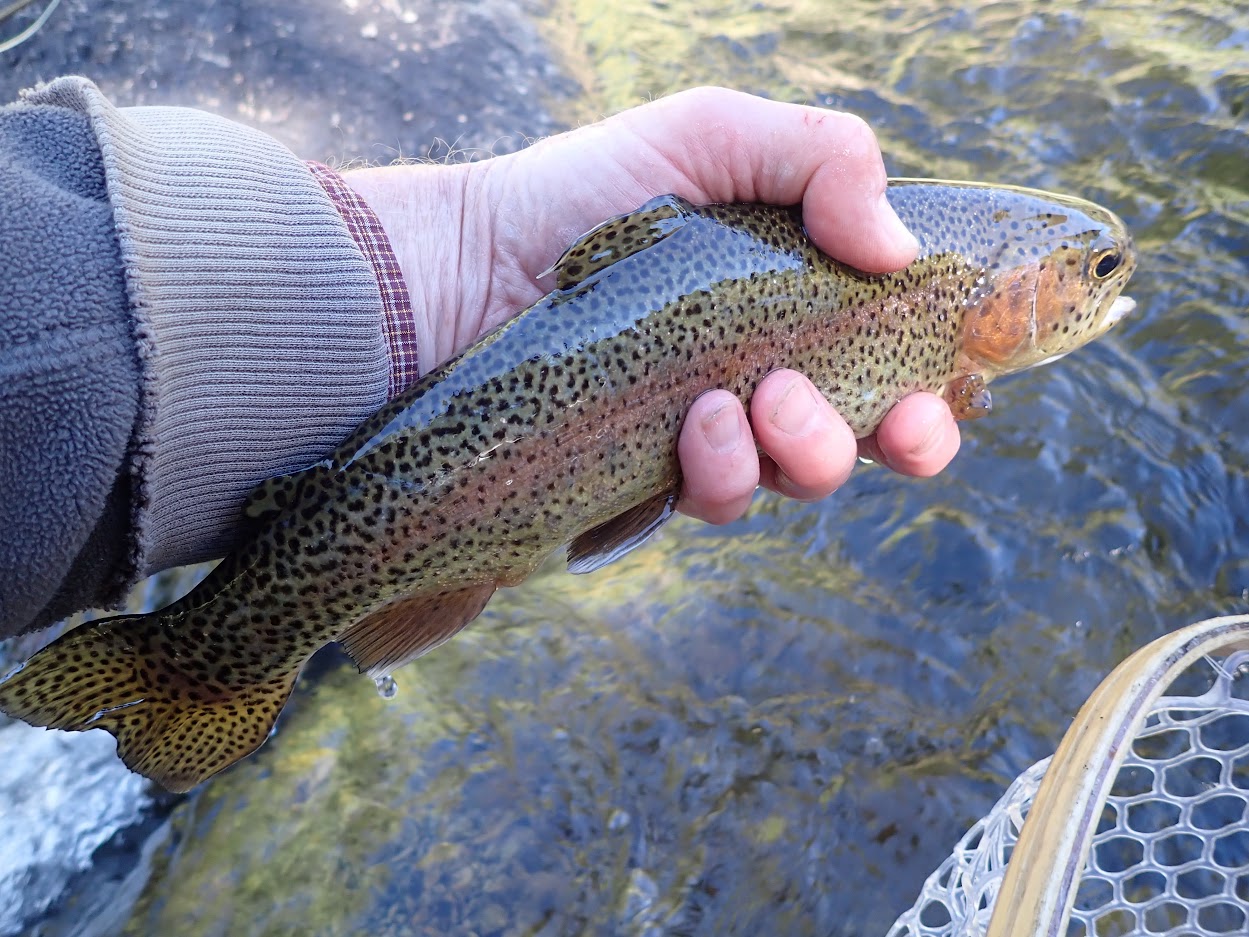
473,239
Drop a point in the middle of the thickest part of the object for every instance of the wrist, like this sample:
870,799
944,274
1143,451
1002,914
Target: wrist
426,213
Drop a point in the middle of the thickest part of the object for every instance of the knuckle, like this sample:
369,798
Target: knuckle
859,135
698,102
861,149
708,94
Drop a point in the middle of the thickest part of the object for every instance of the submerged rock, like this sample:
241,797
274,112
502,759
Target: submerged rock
64,796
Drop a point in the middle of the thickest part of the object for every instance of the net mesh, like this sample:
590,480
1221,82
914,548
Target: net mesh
1171,853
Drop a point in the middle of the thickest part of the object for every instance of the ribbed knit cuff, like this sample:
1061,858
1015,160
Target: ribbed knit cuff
259,320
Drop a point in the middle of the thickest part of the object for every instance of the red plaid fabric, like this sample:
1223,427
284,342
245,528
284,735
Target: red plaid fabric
398,323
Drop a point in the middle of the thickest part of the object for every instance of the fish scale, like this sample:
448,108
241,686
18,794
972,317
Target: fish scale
561,427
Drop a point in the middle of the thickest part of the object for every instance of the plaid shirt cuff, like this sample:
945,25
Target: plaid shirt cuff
398,325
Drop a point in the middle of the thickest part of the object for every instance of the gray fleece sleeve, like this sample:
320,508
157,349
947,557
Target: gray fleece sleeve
186,314
69,372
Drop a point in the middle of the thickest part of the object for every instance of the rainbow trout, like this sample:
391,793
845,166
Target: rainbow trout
560,427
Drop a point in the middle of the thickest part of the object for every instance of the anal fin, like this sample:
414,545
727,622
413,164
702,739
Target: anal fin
608,542
407,628
179,744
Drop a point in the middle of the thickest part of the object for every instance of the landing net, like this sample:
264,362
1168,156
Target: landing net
1169,850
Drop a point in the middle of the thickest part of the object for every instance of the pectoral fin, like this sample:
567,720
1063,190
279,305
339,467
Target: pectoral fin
608,542
619,237
969,398
407,628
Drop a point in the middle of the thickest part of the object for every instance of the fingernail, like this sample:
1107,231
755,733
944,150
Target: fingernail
932,435
722,428
898,233
795,412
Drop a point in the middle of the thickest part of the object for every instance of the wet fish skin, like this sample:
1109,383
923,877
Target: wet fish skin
561,426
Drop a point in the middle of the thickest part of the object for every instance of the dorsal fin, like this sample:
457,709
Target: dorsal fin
608,542
619,237
407,628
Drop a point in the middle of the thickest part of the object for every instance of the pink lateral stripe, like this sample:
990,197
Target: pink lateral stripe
398,323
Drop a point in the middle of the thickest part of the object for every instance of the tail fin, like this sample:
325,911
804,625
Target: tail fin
115,675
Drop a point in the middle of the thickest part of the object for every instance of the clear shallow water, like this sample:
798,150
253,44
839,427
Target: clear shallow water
782,726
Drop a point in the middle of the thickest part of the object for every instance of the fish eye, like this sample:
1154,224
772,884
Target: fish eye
1106,263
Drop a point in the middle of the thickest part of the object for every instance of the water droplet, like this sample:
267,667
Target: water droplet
386,686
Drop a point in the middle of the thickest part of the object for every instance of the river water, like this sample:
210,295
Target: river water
781,726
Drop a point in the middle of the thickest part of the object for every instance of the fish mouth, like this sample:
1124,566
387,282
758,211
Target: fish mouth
1121,308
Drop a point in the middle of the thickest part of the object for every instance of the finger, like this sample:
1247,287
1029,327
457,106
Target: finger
718,459
917,437
737,147
811,449
846,211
